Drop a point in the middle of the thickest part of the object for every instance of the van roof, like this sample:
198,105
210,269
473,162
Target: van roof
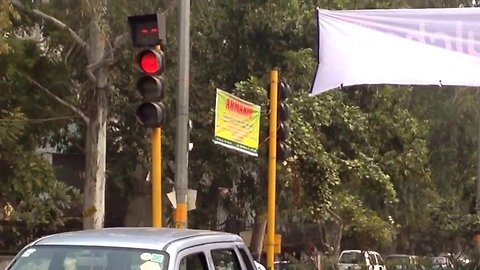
147,238
358,251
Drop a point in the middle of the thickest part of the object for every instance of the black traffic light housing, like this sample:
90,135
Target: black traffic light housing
152,112
147,33
283,115
148,30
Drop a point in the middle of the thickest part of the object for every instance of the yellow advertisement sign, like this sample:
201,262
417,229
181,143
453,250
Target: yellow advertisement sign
237,123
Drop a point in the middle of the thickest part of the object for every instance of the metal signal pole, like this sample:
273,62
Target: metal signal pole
181,142
156,176
272,170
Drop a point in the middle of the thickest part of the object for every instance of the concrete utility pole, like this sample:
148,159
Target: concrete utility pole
181,142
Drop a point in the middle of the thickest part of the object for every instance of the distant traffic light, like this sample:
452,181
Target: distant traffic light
150,60
283,114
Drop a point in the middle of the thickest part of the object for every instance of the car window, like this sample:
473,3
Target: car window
225,259
370,259
352,257
246,259
379,259
89,258
196,261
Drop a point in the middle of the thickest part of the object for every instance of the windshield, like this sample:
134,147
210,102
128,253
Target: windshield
352,257
89,258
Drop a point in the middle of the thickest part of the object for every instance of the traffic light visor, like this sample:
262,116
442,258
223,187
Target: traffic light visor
283,152
151,114
149,62
150,88
284,90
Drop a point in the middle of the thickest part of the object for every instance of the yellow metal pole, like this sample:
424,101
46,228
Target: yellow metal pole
156,177
180,216
272,163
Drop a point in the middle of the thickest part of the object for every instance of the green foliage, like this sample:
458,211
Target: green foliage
364,225
27,182
368,145
378,157
7,15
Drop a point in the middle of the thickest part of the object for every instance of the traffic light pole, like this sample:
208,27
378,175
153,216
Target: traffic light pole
272,163
156,177
181,143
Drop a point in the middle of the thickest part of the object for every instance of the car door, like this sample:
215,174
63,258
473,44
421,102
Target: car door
371,261
246,257
216,256
227,256
380,265
194,258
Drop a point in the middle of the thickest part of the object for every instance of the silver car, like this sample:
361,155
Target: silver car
135,249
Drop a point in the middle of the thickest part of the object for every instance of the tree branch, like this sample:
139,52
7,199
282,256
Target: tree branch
108,57
119,41
53,20
337,217
60,100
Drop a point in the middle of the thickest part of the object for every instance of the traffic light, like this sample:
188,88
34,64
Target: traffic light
152,112
150,60
283,114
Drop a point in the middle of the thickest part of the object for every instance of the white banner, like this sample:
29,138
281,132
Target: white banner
398,46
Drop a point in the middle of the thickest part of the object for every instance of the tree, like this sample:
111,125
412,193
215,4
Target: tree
7,13
33,202
333,135
92,88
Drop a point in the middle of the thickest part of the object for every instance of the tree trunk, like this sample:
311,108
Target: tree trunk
337,234
258,235
94,192
139,210
338,240
97,104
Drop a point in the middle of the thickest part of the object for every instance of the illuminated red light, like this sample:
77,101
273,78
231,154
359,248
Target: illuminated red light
144,31
149,63
154,30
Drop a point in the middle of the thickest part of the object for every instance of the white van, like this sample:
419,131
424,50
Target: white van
136,249
360,259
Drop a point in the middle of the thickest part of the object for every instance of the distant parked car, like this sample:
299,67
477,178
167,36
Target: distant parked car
403,262
288,265
360,259
441,263
458,259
